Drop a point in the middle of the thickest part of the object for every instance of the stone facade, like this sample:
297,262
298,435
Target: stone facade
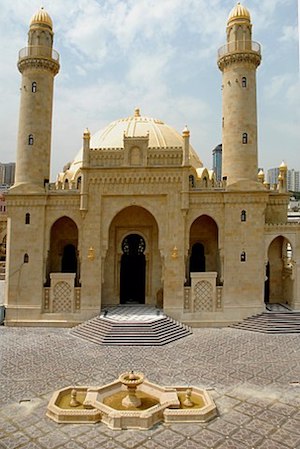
137,218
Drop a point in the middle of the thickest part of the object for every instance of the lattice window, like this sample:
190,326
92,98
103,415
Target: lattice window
62,301
203,297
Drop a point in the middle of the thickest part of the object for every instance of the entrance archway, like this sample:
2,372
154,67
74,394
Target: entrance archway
133,270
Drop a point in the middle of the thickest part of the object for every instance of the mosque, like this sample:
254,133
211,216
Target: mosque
136,218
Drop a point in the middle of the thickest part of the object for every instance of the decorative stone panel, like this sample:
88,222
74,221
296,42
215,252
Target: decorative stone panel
203,292
203,299
187,299
62,296
62,299
219,305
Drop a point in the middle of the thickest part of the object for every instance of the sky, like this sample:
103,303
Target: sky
160,56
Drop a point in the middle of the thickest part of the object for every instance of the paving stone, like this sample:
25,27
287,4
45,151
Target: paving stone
287,437
14,441
250,373
261,427
208,438
169,439
244,434
292,425
236,417
271,444
131,439
224,427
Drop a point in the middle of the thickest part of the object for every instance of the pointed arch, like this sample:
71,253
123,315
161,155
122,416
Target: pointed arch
63,251
203,246
279,283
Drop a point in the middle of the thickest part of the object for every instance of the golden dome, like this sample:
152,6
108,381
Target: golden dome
41,17
239,12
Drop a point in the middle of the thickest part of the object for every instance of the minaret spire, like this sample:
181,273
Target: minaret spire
238,60
38,64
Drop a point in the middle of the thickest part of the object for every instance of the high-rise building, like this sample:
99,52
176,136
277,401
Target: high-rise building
293,180
217,162
7,173
273,174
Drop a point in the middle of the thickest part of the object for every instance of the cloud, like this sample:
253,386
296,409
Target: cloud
289,33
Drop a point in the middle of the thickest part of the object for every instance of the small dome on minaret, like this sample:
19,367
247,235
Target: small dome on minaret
239,12
41,18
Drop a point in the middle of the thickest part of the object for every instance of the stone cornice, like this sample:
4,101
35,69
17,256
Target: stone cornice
135,179
282,227
38,64
245,198
252,58
25,200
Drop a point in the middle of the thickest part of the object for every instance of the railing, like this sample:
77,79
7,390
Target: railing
236,46
39,51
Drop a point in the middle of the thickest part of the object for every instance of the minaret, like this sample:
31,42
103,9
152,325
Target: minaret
38,64
238,60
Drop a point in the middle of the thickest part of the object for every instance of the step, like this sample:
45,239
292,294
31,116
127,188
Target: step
271,322
133,325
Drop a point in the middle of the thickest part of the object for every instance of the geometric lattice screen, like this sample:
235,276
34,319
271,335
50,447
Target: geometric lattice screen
203,296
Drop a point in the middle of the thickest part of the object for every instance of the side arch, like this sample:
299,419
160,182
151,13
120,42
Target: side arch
203,255
63,248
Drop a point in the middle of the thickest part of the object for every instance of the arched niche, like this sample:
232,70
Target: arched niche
203,247
279,278
63,251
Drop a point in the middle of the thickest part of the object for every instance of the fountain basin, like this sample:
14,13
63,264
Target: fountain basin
60,411
157,404
203,410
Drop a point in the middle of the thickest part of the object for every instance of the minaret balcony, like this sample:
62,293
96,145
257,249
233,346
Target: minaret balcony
239,47
39,51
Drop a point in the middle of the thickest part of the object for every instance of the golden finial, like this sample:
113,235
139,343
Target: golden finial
137,112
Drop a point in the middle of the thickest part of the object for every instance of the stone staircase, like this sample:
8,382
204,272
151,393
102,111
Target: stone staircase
272,323
131,326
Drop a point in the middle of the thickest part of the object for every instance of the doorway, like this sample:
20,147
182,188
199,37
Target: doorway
133,270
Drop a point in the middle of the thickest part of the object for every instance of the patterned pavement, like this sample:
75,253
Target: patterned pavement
254,379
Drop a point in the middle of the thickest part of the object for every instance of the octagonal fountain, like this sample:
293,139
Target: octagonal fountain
131,402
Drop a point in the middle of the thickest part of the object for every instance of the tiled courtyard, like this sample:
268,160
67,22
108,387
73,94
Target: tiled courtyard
254,379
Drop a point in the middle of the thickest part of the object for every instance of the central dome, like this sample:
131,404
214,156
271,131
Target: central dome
161,136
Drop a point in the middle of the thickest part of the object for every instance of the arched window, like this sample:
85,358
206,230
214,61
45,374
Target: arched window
30,139
191,180
78,182
245,138
33,87
66,184
243,215
244,81
27,218
289,251
243,256
26,258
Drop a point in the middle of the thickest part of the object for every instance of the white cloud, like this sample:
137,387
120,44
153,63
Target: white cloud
289,33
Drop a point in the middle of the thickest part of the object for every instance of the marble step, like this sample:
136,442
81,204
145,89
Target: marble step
271,322
139,329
